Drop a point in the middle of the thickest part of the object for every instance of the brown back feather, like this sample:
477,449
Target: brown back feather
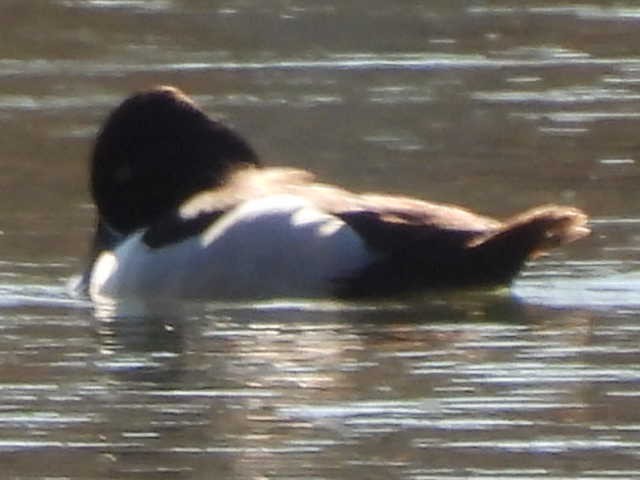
419,244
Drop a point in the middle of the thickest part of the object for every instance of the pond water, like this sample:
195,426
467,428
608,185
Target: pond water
495,105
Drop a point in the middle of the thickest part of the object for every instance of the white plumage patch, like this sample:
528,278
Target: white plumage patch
278,246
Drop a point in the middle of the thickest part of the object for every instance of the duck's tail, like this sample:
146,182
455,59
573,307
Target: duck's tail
502,252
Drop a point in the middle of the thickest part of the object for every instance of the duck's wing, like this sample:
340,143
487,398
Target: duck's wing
203,209
418,244
386,223
424,245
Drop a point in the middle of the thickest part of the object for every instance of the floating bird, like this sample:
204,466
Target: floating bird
185,209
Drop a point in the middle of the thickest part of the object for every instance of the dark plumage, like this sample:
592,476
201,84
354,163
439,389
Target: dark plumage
156,150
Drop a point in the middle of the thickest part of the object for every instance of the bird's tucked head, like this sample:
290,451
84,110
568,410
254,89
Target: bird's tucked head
155,150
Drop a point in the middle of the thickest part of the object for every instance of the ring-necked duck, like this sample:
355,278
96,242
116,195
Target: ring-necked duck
185,209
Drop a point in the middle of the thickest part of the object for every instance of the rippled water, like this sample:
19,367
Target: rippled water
493,105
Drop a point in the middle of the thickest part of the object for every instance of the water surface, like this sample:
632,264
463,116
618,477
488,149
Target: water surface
498,106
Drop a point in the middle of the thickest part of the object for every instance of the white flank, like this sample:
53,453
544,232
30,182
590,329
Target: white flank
279,246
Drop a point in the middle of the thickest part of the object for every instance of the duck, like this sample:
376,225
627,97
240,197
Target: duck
186,209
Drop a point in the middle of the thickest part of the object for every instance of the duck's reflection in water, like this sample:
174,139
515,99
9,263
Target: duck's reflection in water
244,389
